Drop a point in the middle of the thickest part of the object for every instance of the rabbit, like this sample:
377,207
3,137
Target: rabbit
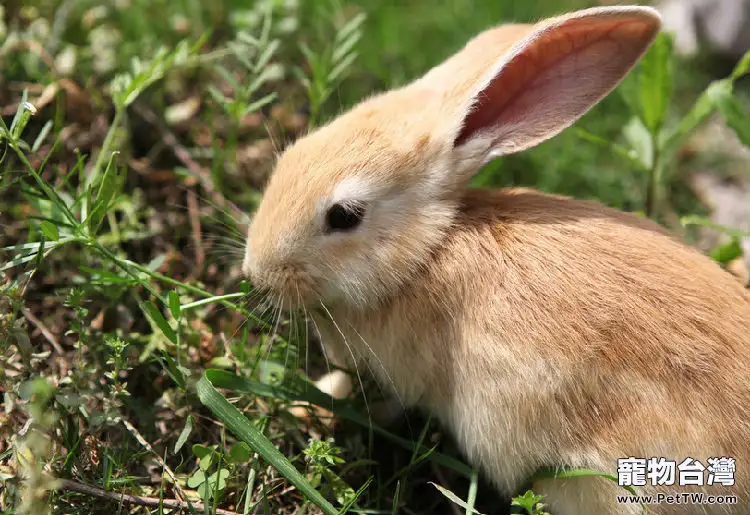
541,331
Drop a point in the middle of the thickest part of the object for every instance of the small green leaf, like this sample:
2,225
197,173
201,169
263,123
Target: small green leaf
205,491
630,92
49,230
656,82
218,480
42,135
742,67
107,192
267,54
206,461
239,453
529,501
156,263
177,372
69,399
719,90
184,434
351,26
201,451
222,362
341,68
254,106
640,142
158,319
174,304
271,372
734,114
728,252
196,479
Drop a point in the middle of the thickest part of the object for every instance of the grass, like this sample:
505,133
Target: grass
135,360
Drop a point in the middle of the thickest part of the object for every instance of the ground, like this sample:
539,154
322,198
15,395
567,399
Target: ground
124,190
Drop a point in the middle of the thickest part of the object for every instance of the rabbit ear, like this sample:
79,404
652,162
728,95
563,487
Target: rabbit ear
540,82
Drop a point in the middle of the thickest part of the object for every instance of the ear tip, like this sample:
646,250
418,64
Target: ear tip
647,14
647,18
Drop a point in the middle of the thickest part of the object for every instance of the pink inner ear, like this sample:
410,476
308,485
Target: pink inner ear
555,78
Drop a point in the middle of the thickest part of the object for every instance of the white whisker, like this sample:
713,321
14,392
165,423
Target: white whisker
382,367
354,359
325,354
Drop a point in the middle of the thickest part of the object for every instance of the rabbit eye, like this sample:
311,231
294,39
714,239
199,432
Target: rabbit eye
341,217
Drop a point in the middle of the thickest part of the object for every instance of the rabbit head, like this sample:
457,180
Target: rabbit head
357,206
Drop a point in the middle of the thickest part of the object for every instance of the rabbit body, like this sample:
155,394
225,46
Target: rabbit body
553,332
542,331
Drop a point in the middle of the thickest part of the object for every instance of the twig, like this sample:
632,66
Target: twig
229,354
287,490
43,329
137,435
153,502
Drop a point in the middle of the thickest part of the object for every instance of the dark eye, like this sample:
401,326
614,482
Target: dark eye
344,217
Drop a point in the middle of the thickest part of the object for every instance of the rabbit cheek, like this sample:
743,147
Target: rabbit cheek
348,272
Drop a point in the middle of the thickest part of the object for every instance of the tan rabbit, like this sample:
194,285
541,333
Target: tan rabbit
542,331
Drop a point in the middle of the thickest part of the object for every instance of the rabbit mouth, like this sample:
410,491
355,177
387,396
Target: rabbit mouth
287,288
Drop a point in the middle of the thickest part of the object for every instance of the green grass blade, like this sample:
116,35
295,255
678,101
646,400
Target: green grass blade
553,473
49,230
174,304
701,110
396,499
105,195
155,315
621,151
706,222
18,261
357,495
42,136
225,379
245,431
184,435
211,300
471,498
736,117
455,499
